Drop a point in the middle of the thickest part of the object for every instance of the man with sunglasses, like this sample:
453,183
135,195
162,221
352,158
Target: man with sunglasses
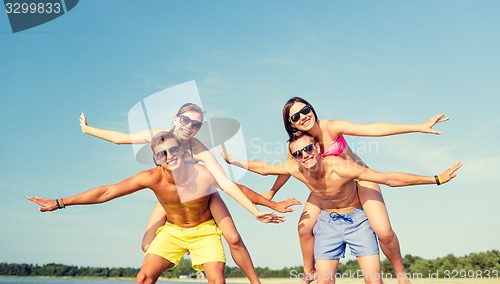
342,220
183,189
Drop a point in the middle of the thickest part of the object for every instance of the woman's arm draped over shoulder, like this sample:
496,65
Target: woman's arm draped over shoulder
201,153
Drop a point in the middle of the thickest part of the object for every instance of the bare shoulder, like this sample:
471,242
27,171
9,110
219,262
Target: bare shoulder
326,122
197,144
338,165
292,167
203,173
332,125
199,150
150,176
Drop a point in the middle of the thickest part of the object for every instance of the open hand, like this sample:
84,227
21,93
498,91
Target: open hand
283,206
226,156
47,204
427,126
450,173
269,217
83,123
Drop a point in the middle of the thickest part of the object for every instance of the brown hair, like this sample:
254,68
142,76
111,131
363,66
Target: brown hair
286,114
190,107
296,136
161,136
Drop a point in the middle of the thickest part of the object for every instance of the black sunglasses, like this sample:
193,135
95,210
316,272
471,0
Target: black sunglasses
296,116
195,124
298,154
163,155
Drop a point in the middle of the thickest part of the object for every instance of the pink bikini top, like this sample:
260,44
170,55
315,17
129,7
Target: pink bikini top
336,148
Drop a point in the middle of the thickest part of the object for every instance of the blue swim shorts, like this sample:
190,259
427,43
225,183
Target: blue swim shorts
334,231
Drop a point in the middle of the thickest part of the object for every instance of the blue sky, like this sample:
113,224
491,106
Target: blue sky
362,61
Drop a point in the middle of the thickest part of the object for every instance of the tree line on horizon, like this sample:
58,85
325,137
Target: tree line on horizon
450,265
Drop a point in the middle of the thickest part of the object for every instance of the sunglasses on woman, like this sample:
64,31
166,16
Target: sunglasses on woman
296,116
163,155
307,149
195,124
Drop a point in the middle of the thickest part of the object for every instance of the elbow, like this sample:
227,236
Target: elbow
263,171
393,183
118,141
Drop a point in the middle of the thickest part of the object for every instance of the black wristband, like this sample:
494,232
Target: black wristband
58,204
437,180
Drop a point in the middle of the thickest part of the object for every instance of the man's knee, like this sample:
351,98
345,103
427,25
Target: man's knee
143,277
217,280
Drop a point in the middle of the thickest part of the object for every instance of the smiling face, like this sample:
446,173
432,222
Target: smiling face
305,152
187,124
301,116
167,151
292,116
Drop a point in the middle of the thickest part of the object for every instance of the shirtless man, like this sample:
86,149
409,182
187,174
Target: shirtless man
342,220
169,181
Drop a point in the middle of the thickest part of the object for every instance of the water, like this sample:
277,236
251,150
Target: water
31,280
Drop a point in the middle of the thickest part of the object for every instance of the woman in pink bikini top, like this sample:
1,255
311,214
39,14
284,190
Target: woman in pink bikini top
299,115
335,148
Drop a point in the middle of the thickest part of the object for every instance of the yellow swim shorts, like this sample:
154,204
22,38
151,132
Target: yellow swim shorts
203,242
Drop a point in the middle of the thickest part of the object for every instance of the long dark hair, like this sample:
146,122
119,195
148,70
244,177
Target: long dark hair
286,113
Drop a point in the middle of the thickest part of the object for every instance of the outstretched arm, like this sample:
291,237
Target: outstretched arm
259,167
338,127
278,184
282,206
99,194
202,154
395,179
116,136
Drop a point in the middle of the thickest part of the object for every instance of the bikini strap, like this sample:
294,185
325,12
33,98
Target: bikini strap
328,132
191,148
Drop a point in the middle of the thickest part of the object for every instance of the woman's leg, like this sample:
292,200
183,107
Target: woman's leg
376,211
305,227
156,220
239,252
